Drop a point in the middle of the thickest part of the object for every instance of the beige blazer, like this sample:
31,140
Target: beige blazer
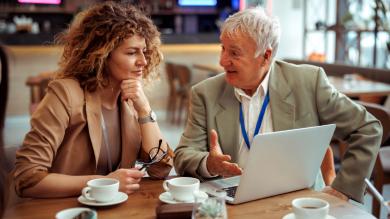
66,136
300,96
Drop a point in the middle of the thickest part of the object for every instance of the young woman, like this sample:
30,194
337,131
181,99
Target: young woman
95,120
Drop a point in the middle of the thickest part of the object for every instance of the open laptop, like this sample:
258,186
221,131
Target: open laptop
278,162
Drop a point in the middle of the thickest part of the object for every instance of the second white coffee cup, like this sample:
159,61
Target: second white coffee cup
309,208
101,190
182,188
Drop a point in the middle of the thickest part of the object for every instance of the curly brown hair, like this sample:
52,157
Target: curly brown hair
96,32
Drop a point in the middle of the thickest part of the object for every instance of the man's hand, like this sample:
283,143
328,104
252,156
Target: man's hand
329,190
217,162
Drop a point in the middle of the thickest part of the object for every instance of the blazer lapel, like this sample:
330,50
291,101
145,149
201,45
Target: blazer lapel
93,111
282,101
227,120
131,134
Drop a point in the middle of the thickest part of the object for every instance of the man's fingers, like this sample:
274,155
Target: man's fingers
214,145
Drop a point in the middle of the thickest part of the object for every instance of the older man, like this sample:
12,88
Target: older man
258,91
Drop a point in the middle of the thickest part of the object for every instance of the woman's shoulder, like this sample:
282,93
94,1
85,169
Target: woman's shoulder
67,89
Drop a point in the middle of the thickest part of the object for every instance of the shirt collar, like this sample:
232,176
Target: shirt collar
239,93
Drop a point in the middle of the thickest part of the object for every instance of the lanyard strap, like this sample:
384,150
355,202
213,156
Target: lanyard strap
105,136
259,121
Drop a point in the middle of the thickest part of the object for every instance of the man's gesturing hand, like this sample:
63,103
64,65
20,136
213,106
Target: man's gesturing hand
219,163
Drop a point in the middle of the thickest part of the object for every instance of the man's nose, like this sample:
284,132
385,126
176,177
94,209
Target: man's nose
224,60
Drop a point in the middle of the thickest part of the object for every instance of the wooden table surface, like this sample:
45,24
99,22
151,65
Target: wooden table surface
143,203
356,88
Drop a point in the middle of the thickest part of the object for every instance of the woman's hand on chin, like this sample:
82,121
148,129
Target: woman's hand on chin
132,89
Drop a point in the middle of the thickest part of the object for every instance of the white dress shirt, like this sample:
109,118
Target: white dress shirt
251,106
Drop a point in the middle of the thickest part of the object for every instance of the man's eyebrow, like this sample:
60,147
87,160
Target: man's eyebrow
236,48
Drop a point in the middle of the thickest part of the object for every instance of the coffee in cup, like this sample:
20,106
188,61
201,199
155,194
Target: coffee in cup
72,213
101,190
182,188
308,208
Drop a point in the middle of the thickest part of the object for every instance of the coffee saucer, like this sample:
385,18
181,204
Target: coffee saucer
167,198
121,197
292,216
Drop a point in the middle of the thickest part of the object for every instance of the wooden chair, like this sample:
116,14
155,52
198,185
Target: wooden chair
173,94
3,90
183,73
327,167
38,85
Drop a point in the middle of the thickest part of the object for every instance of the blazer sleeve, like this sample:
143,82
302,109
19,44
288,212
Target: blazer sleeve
48,125
360,129
192,148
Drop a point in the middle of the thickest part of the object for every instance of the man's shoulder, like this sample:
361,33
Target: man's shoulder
293,72
290,67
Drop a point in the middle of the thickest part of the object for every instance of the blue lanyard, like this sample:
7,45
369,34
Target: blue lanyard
259,120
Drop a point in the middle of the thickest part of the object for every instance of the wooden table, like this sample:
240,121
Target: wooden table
357,88
143,203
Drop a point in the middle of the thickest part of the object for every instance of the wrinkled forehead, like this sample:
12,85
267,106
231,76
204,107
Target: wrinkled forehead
236,36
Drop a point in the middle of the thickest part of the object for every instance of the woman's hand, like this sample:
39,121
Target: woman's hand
128,179
132,89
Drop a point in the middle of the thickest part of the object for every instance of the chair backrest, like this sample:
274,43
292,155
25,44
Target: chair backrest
38,85
3,90
183,73
170,71
382,114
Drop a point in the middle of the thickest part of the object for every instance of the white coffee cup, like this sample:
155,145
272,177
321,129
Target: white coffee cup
101,190
71,213
182,188
309,208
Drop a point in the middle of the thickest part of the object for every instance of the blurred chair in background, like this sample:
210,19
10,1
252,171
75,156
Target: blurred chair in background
173,94
38,85
3,90
327,167
183,73
179,80
3,105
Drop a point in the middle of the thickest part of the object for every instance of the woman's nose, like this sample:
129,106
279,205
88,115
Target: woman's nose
142,60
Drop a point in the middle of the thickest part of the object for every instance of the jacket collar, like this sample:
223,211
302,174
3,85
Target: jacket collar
282,101
227,121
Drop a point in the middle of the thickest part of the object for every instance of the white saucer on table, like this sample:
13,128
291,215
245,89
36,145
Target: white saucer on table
292,216
121,197
167,198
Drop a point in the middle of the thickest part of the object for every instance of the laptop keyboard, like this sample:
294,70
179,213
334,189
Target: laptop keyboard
230,191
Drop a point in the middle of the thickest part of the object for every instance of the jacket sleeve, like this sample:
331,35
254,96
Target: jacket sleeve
360,129
193,148
48,125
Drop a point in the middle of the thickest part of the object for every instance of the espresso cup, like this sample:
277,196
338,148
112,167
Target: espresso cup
101,190
182,188
71,213
309,208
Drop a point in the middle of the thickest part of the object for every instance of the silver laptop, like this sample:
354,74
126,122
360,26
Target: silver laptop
278,162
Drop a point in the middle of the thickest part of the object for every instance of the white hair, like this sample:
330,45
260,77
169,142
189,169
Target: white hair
261,27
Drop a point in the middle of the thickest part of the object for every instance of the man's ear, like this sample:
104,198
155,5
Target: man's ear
267,55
